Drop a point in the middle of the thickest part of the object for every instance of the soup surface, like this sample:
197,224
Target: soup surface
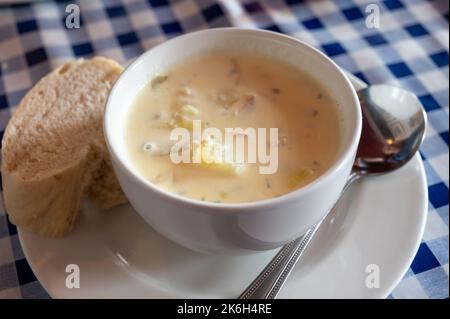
233,91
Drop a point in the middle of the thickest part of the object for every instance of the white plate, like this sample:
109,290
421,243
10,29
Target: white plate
380,222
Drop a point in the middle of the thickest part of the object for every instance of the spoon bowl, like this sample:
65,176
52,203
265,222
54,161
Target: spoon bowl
394,124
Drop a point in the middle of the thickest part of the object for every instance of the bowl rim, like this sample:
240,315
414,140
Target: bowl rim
243,206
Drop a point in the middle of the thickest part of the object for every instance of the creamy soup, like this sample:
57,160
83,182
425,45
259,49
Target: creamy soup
233,91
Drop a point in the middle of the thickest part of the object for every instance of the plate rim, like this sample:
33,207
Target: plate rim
419,235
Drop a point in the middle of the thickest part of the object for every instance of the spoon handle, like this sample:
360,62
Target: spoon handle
270,281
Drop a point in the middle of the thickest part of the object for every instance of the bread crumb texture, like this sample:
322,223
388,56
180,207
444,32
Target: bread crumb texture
54,151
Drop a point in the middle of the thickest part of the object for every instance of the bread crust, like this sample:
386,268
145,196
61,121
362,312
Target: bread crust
47,201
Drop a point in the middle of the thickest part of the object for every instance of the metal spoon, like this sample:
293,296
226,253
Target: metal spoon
394,124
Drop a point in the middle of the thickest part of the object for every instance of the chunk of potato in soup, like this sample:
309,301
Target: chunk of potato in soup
234,91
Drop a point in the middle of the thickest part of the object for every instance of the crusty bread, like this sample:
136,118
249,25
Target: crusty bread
53,149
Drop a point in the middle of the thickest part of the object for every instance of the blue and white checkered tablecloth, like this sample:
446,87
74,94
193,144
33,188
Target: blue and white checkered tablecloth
410,48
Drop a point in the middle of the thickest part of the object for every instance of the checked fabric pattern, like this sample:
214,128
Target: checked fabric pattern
410,48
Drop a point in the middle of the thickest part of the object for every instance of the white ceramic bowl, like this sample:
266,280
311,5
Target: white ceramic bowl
232,228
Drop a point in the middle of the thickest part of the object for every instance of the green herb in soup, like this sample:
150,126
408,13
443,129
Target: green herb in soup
233,91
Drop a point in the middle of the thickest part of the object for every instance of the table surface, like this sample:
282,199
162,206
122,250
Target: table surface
409,47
